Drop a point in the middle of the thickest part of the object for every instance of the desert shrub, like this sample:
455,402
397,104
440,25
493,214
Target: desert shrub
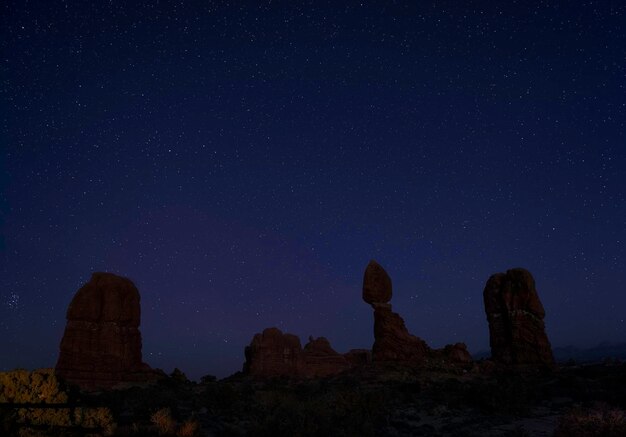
40,416
23,386
27,432
206,379
602,422
99,419
95,418
179,377
42,387
164,421
189,428
166,425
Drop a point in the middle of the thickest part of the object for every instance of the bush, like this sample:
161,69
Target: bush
164,422
42,387
22,386
179,377
96,418
207,379
189,428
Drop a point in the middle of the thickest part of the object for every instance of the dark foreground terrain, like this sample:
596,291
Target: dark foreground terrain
574,401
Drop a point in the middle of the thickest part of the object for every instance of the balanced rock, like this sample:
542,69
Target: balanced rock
101,345
376,284
276,354
392,340
515,314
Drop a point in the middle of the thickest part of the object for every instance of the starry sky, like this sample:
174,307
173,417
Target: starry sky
242,162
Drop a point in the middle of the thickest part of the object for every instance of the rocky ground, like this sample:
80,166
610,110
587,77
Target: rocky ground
373,401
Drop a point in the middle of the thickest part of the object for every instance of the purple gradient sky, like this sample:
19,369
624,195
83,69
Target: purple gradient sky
242,162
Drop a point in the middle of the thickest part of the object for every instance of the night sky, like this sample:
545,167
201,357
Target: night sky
242,162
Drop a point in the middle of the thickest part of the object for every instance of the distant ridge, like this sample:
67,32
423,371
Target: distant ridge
581,355
597,353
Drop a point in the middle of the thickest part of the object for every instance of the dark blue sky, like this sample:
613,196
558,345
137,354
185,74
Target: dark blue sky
241,163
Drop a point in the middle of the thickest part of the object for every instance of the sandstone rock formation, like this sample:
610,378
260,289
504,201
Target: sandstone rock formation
392,340
101,345
455,354
358,357
515,314
319,359
274,353
376,284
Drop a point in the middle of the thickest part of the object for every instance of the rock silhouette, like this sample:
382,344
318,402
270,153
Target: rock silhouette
515,314
392,340
455,354
273,353
101,345
376,284
358,357
320,359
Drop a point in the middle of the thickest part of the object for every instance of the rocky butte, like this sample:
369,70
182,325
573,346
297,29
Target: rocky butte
101,345
515,314
273,353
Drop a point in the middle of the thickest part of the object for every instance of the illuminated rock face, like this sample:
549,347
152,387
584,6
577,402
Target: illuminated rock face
101,345
515,314
273,353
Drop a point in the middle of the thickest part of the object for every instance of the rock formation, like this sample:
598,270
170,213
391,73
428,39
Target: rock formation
274,353
392,340
358,357
320,359
515,314
376,284
101,345
455,354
